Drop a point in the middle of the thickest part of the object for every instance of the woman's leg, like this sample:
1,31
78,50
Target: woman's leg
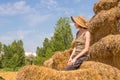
77,63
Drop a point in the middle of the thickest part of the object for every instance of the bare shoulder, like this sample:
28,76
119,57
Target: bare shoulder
87,33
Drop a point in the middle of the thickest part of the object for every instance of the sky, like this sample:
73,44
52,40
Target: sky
34,20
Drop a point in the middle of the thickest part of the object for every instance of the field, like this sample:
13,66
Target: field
8,75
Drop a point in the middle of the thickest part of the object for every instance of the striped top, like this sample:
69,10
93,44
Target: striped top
79,43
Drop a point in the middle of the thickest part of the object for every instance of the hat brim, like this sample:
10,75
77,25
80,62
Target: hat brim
72,18
76,21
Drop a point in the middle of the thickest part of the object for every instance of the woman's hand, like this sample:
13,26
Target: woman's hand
69,61
73,61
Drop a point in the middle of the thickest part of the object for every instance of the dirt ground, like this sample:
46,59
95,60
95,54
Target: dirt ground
8,75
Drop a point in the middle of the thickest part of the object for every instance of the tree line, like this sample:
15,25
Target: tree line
13,55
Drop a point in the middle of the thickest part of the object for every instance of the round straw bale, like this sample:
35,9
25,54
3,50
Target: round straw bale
42,73
49,63
60,59
106,72
104,5
104,23
107,50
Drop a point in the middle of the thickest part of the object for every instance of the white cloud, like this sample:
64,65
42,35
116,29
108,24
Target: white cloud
32,16
35,19
50,4
14,8
14,35
54,5
30,53
21,34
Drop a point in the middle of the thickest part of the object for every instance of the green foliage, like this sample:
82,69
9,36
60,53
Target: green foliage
9,69
14,55
60,41
62,35
40,56
1,55
0,46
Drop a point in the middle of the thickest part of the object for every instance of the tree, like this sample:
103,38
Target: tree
62,37
40,56
1,55
60,41
14,55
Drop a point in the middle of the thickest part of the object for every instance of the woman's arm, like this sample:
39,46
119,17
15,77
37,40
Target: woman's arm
87,45
70,59
72,53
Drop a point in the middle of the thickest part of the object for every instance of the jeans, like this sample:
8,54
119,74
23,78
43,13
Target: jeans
77,64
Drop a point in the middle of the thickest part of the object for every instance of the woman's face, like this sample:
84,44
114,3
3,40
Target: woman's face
77,26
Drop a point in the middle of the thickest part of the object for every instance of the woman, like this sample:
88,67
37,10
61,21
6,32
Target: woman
82,44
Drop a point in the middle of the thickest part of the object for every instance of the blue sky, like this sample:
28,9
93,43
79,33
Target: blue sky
33,20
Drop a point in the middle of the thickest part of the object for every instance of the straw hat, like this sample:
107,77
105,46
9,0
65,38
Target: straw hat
80,20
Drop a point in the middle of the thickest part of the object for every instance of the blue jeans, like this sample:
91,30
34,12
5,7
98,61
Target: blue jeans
77,64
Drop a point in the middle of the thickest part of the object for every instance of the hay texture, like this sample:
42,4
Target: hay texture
42,73
106,72
105,5
58,60
7,75
107,50
49,63
89,71
104,22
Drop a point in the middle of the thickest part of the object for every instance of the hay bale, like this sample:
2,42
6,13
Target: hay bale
107,50
105,5
8,75
58,60
42,73
106,72
89,71
104,23
48,63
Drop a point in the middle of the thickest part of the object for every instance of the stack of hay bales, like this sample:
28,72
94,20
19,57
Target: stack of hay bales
106,72
58,60
105,32
105,5
90,71
106,20
107,50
